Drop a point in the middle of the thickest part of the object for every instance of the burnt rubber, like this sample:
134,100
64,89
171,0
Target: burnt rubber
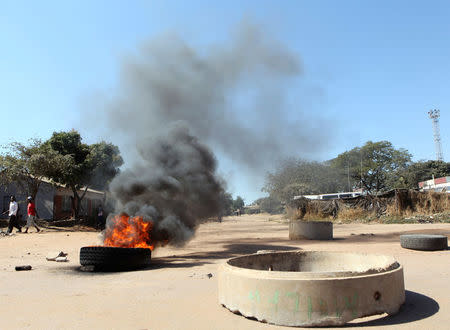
114,258
424,242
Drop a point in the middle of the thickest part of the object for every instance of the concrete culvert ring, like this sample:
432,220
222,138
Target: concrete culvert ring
316,230
311,288
424,242
114,258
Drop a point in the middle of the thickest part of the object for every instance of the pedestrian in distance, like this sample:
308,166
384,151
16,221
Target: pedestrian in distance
100,218
13,222
32,215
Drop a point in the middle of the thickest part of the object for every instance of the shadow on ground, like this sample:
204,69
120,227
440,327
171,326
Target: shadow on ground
416,307
185,260
381,238
70,229
228,251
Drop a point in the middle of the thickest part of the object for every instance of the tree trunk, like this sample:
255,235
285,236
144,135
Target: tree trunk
35,190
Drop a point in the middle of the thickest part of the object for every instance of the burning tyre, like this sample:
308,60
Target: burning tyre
115,258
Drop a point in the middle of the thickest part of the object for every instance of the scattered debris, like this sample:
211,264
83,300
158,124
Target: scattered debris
194,275
61,259
25,267
52,256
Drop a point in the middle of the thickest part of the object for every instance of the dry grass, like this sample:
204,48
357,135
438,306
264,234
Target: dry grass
399,204
410,203
293,213
353,213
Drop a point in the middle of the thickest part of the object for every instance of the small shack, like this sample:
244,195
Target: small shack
53,202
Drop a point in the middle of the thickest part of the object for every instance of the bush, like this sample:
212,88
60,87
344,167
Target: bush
271,205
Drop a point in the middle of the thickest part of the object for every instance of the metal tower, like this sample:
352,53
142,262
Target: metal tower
434,115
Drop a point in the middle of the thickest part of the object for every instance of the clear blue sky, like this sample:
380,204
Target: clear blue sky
373,67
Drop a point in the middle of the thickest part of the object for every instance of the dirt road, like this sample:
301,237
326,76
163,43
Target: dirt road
177,293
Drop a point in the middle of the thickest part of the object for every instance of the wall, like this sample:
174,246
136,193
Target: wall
44,200
62,202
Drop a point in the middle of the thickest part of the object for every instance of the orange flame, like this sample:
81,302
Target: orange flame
128,232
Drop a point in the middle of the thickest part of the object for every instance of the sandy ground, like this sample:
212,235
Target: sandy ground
176,293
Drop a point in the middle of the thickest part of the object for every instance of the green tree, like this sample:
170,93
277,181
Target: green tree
26,165
420,171
374,165
299,177
238,203
270,205
80,166
105,160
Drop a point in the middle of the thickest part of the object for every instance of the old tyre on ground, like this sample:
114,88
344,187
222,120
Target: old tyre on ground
424,242
114,258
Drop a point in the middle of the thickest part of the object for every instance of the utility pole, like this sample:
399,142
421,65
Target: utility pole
434,115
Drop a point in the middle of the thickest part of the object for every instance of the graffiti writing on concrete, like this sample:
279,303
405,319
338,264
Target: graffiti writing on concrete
254,296
294,300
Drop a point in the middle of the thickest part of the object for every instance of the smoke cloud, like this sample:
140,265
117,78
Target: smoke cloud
174,187
172,95
231,96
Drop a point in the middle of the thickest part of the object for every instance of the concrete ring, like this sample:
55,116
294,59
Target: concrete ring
316,230
311,288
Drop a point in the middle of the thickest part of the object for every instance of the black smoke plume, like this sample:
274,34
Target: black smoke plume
231,96
168,82
174,187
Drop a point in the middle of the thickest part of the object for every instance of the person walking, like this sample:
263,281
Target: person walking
100,218
32,214
13,222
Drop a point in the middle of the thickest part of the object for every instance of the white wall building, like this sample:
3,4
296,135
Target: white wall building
348,194
438,184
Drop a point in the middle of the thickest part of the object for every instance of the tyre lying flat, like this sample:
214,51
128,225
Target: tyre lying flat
424,242
114,258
